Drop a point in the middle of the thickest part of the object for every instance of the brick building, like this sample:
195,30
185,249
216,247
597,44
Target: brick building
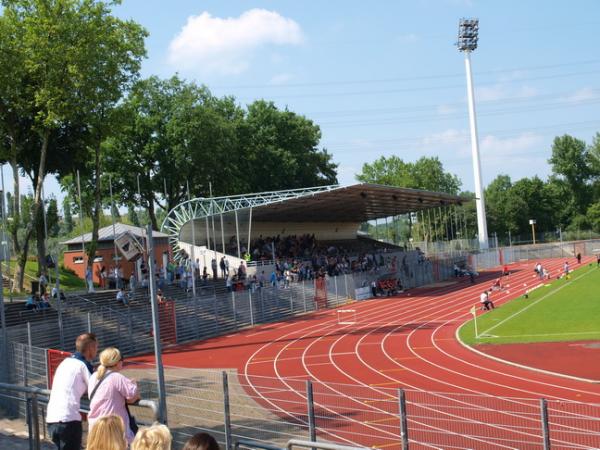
105,253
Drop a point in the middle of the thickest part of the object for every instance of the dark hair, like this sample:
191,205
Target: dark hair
201,441
84,341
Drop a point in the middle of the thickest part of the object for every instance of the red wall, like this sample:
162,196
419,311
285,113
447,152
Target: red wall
107,254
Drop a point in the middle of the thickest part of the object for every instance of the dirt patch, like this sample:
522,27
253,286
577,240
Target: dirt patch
577,359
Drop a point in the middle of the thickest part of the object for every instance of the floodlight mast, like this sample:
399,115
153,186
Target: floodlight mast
468,35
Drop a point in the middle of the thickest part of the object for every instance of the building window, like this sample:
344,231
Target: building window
98,259
78,260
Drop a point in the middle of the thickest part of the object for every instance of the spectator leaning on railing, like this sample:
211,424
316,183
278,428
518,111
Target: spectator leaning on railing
110,391
70,383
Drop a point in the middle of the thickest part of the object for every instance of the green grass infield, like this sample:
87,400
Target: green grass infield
561,310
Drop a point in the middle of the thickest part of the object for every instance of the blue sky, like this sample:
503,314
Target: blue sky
384,77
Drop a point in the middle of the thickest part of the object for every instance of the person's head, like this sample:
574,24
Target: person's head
156,437
110,359
108,433
201,441
86,344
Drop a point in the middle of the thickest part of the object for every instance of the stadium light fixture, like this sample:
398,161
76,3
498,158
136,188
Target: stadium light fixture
468,37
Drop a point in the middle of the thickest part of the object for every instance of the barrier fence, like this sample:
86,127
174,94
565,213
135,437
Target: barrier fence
234,407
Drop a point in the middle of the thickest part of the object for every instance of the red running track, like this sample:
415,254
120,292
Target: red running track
456,398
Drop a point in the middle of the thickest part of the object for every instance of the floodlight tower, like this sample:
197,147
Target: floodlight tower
468,35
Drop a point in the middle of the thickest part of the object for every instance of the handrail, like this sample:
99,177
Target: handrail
250,443
322,445
143,403
32,408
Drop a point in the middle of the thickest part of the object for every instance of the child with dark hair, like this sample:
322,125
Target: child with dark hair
201,441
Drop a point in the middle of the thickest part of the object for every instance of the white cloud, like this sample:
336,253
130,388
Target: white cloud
502,91
281,78
225,45
581,95
450,136
408,38
494,146
444,109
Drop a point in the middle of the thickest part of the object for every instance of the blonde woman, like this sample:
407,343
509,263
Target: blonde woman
110,391
156,437
108,434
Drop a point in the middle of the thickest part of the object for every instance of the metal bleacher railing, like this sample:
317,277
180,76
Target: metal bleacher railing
34,401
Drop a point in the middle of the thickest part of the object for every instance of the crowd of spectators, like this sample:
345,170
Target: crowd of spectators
110,424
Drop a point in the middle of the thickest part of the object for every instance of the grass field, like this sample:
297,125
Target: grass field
564,310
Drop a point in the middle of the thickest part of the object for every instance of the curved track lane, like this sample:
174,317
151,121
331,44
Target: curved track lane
456,398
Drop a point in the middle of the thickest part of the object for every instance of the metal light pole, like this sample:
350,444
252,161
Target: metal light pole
160,376
532,223
468,30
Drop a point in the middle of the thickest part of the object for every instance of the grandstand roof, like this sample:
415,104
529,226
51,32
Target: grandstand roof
356,203
106,234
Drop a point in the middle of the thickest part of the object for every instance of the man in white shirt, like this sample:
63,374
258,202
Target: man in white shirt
485,301
69,384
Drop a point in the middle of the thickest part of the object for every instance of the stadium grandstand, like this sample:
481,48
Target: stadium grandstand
320,225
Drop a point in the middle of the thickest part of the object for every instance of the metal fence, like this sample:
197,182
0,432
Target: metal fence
515,254
214,310
233,407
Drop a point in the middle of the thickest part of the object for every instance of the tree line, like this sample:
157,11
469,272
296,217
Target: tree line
72,103
569,199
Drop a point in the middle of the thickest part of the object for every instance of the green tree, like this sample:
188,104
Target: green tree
593,216
283,145
425,173
67,67
52,219
132,215
67,216
571,160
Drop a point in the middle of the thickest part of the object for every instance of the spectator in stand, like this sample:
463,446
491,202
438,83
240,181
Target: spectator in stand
132,282
110,391
121,297
156,437
30,304
43,283
70,383
45,301
89,279
242,271
160,296
102,275
107,434
54,292
222,266
201,441
213,266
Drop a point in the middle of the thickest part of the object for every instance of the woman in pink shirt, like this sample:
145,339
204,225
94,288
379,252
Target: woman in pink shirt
109,390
